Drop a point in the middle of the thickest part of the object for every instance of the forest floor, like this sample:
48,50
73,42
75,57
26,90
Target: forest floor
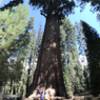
89,97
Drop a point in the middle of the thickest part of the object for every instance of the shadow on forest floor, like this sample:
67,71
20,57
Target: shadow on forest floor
88,97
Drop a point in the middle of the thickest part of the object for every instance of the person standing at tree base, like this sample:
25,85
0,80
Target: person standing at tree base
50,93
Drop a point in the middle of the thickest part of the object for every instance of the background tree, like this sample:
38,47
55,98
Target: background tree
50,57
11,28
83,52
93,44
39,40
17,51
73,72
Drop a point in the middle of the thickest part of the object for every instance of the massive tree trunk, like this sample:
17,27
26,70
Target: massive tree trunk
49,69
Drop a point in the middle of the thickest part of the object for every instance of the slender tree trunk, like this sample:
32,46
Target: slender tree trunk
49,69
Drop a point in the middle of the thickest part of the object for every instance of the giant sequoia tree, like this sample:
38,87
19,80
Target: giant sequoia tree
49,69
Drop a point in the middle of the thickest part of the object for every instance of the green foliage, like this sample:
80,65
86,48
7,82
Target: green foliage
11,3
18,47
12,23
54,7
15,79
72,72
67,54
93,45
58,7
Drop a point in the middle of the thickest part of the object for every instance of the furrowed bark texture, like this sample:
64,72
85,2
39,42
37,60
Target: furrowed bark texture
49,69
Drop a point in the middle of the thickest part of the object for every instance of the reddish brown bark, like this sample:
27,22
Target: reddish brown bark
49,69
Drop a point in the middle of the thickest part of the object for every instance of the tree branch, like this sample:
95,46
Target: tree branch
11,4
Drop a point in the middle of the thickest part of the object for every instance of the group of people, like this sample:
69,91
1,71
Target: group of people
43,93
